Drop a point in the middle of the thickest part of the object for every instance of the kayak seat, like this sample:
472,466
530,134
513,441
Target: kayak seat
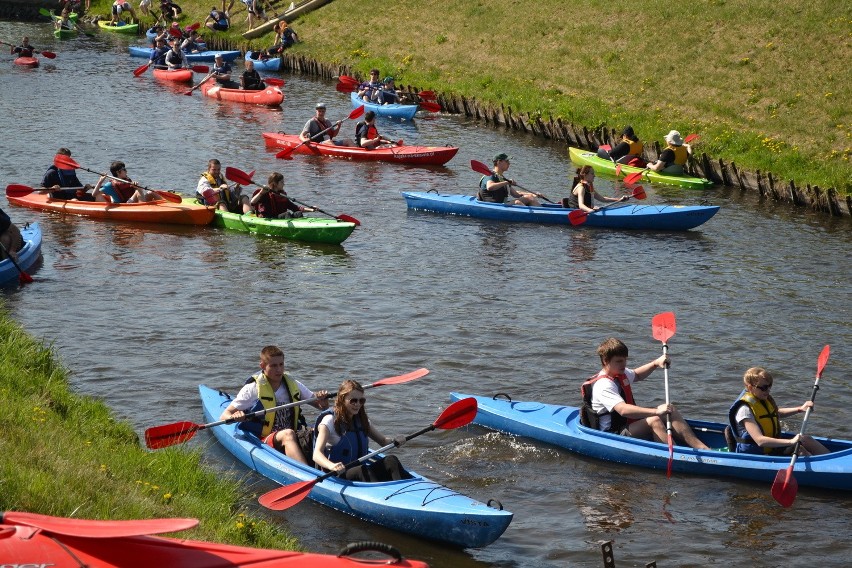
730,440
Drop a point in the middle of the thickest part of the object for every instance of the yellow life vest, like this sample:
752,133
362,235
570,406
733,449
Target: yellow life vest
681,155
636,148
765,413
266,397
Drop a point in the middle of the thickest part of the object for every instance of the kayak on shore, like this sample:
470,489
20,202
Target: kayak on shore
584,157
229,55
123,29
560,426
27,256
270,96
161,211
268,64
417,506
418,155
61,542
636,217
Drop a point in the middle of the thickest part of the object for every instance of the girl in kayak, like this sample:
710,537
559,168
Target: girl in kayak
496,188
755,418
674,157
343,435
583,195
271,201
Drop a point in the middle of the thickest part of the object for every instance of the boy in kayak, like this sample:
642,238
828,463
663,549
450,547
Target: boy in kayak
57,180
367,135
25,49
608,403
158,53
175,58
755,418
371,90
271,201
496,188
251,80
121,190
213,189
285,429
674,157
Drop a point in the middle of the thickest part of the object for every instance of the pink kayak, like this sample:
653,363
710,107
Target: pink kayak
26,61
270,96
174,75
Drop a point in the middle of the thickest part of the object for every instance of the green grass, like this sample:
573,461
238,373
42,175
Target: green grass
66,455
765,83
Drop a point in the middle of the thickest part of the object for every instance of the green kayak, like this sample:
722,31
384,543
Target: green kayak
125,29
64,33
600,165
306,229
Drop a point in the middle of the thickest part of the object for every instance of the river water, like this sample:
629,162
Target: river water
143,314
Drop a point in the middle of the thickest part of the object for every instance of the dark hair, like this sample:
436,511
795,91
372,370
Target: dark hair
64,152
581,174
342,423
116,167
274,177
269,352
369,115
610,348
213,162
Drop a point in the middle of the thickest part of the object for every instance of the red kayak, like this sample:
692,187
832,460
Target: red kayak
270,96
174,75
418,155
27,539
26,61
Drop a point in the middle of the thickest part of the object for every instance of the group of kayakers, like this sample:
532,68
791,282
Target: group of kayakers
378,91
341,432
608,405
629,151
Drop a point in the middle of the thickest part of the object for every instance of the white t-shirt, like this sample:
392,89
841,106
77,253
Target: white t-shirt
606,396
743,413
247,396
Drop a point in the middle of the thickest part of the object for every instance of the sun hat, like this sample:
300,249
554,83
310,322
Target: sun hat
674,138
320,105
501,156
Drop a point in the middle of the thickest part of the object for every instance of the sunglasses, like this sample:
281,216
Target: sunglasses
764,388
357,400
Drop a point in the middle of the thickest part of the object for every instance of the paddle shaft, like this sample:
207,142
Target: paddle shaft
285,153
481,168
204,80
804,423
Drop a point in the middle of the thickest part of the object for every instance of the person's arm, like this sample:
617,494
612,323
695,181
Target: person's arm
232,412
319,445
638,412
495,185
765,441
791,410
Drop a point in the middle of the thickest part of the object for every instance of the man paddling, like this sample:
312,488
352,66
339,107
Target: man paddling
56,180
319,127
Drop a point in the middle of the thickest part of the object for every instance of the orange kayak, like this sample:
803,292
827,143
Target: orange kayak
270,96
151,212
174,75
27,539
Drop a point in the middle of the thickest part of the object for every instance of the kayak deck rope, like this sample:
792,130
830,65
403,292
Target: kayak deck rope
429,487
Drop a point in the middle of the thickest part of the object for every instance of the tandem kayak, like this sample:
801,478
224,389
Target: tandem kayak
174,75
230,55
28,539
584,157
27,256
640,217
417,155
270,96
560,426
269,64
305,229
26,61
123,29
394,110
162,211
417,506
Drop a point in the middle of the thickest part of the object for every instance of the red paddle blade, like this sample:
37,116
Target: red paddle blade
671,457
194,26
286,153
785,487
64,162
480,167
349,219
426,95
399,379
458,414
169,435
18,190
175,32
140,70
606,147
345,87
24,278
49,54
356,113
85,528
273,81
639,193
429,106
634,177
690,138
618,170
577,217
200,68
287,496
238,176
823,358
169,195
349,80
663,326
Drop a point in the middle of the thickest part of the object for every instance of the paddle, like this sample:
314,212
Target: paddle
48,54
691,137
85,528
785,486
578,216
481,168
20,190
285,154
663,327
458,414
242,178
65,163
23,277
139,71
273,81
429,106
204,80
166,435
607,148
426,95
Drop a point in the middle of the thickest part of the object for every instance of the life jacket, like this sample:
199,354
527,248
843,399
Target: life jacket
352,445
498,196
271,205
590,418
287,417
5,221
765,413
636,147
681,155
573,203
118,191
364,131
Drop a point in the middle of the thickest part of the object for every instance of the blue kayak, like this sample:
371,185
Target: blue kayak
271,64
27,256
137,51
392,110
637,216
560,426
417,506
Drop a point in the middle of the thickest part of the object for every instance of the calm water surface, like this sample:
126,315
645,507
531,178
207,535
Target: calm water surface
143,314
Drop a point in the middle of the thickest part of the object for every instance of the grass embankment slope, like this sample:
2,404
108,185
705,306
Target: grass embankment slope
66,455
765,83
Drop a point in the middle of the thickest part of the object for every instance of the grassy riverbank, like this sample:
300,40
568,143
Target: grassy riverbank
766,84
66,455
